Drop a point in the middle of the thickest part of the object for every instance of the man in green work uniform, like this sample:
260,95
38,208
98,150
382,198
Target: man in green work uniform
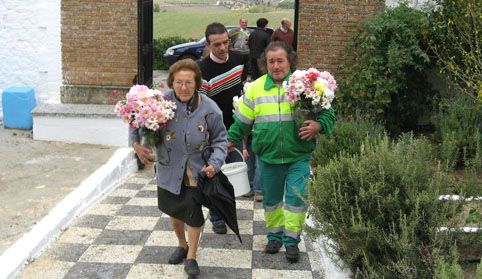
284,154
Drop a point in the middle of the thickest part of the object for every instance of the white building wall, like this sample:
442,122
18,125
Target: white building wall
30,53
419,4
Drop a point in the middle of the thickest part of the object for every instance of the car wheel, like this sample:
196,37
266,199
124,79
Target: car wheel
188,56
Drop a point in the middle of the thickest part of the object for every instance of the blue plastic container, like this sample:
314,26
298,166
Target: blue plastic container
17,103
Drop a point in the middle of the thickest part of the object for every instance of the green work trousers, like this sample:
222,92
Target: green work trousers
284,182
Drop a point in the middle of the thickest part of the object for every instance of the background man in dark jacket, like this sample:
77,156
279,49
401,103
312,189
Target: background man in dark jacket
258,40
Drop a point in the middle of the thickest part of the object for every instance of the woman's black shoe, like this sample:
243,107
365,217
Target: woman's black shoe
178,255
191,268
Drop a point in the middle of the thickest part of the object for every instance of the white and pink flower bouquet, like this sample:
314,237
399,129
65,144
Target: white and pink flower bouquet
237,99
311,88
310,91
145,108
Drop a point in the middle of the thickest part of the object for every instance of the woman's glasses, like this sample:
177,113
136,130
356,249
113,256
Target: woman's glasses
188,84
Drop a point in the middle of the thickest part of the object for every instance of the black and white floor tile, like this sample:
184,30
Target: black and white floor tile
126,236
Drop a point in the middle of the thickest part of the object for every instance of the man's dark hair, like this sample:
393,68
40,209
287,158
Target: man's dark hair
290,53
214,28
261,22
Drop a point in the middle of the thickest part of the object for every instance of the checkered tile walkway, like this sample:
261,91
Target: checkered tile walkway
126,236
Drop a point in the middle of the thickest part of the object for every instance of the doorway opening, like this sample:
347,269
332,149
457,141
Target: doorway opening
165,18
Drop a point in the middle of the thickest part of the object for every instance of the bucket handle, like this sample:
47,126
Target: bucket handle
203,155
240,154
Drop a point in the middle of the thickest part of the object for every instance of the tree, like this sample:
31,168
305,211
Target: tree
457,44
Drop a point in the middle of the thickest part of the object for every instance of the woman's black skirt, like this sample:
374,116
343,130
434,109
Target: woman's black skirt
182,207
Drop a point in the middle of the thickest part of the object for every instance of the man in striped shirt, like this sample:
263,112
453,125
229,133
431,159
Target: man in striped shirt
221,72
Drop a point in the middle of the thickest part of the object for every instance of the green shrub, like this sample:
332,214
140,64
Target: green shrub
383,70
382,211
449,150
348,136
262,9
286,5
458,131
160,46
157,7
448,270
473,177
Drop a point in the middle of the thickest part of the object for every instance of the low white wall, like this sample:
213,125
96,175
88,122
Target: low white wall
30,53
106,131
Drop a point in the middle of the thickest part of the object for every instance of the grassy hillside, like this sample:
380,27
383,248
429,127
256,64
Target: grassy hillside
183,2
193,24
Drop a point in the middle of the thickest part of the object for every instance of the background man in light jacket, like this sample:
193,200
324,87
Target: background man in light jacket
239,43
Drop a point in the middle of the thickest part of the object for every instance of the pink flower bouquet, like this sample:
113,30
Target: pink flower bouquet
146,109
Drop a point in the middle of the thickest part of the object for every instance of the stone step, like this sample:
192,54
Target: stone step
79,123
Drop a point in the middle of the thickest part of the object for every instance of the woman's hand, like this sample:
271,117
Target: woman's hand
209,170
310,130
143,153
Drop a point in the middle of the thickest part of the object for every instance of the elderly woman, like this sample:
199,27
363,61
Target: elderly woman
197,123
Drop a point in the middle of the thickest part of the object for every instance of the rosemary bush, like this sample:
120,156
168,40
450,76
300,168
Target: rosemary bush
348,136
458,131
381,209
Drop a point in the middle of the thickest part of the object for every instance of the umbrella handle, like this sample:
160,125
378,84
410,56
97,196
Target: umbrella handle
204,155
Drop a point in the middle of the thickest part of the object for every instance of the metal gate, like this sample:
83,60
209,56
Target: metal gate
145,42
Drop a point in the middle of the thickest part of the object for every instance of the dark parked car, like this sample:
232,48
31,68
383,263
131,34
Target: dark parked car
193,50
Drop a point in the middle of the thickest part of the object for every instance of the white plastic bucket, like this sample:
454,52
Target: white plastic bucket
237,174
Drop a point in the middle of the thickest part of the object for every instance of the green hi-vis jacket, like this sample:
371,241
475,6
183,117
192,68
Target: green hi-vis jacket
275,140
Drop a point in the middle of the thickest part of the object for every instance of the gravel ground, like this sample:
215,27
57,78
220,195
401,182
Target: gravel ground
36,175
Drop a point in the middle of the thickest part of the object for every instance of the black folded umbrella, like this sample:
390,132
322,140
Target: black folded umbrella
217,194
